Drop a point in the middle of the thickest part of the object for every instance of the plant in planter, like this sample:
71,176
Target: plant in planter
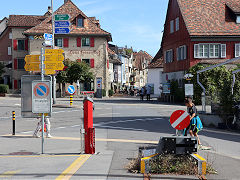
3,89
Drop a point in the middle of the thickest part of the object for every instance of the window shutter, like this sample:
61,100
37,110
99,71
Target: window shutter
79,60
184,52
65,42
78,42
171,56
178,53
223,50
15,64
108,64
15,84
237,50
92,63
15,44
92,42
196,50
26,44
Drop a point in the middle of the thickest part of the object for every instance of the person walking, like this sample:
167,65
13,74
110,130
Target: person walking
195,122
142,93
148,92
39,126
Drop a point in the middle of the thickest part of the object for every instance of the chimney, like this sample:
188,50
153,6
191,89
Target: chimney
50,9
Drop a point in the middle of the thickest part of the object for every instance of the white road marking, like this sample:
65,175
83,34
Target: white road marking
107,114
60,127
75,126
129,120
17,104
122,128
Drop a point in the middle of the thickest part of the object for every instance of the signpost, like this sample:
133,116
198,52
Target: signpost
62,24
180,119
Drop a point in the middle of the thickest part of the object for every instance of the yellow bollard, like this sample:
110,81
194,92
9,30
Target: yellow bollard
13,120
71,100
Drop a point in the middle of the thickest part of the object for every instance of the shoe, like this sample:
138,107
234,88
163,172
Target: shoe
36,136
48,136
200,146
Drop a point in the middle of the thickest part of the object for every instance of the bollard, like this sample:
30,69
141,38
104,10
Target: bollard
13,120
89,136
71,100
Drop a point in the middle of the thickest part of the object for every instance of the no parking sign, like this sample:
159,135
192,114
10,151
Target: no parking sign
41,97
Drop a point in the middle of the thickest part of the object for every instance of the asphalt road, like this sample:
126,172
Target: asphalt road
118,119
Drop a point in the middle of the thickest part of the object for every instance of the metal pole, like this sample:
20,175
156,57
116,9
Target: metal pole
13,120
204,94
42,78
234,79
53,46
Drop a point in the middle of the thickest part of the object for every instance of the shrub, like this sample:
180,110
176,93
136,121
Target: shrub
110,92
4,88
103,92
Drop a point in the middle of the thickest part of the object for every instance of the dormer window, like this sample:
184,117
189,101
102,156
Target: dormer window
238,19
79,22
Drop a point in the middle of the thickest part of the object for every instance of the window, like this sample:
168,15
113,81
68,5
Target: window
209,50
10,35
58,42
237,50
85,42
20,45
9,51
79,22
182,52
169,56
20,63
177,23
87,61
238,19
172,26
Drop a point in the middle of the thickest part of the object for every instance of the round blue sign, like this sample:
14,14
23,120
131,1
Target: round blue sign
71,89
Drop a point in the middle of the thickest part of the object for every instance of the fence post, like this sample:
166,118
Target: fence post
13,122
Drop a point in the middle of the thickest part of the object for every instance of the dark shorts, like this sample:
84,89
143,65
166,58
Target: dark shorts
193,128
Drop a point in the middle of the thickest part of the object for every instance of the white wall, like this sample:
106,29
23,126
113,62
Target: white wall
155,77
172,75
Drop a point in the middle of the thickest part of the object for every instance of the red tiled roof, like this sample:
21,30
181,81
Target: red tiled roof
234,6
156,64
25,20
111,52
70,8
209,17
112,59
139,58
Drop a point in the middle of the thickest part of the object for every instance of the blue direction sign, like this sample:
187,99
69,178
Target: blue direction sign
62,30
61,24
71,89
48,37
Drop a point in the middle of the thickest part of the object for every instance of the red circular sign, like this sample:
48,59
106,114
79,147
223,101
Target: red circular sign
41,90
180,119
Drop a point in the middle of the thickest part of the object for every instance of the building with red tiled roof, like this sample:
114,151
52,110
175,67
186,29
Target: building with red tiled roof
14,45
86,42
199,31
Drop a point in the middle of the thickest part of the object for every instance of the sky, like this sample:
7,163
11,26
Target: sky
136,23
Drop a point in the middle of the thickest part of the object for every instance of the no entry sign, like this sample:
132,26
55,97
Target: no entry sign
180,119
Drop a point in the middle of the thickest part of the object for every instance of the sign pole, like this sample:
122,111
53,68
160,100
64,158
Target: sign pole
53,46
42,78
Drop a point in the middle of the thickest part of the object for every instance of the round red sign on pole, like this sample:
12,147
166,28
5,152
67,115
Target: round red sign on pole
180,119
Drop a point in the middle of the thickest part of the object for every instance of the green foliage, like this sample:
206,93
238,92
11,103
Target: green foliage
177,92
4,88
103,92
1,69
217,82
110,92
79,71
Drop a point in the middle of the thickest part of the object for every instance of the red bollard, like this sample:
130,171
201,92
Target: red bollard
88,126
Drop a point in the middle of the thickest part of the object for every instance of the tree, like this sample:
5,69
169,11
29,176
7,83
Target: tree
1,69
79,71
